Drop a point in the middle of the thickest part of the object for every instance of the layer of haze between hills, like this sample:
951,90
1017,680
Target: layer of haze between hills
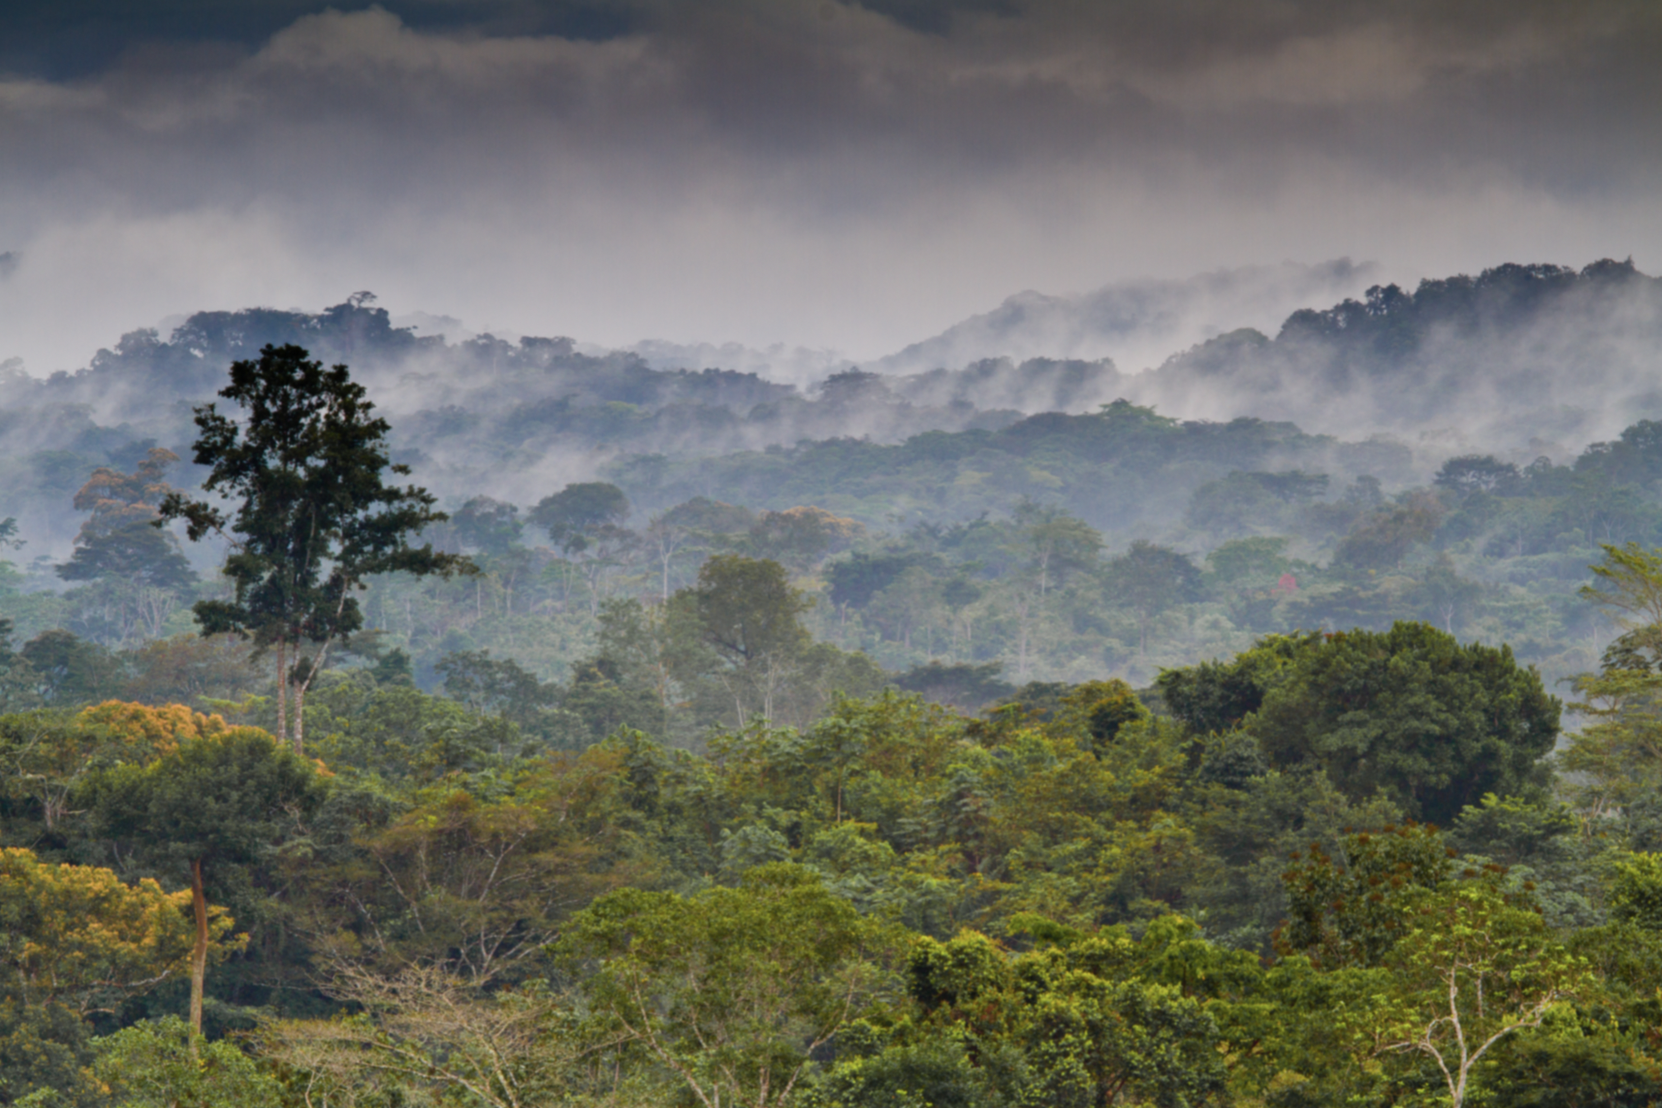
1519,361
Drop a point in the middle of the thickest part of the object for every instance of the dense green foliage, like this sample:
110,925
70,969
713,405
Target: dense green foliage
1080,760
1407,713
914,573
1067,901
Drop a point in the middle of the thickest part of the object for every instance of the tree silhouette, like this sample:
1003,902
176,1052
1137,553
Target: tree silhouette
315,517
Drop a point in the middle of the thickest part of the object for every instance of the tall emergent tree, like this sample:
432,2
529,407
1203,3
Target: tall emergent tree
748,614
138,567
586,523
315,517
118,539
1410,713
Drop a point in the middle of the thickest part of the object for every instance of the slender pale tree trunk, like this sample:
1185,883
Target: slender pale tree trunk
1023,627
738,702
199,955
312,670
772,685
300,702
282,690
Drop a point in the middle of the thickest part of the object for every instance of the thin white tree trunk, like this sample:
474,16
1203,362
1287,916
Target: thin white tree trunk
282,691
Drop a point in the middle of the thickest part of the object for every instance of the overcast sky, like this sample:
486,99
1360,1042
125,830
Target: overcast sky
846,175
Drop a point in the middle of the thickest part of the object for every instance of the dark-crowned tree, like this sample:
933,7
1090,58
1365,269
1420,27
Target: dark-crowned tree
1216,696
68,670
581,515
498,687
586,522
1410,713
1478,473
858,578
748,614
1149,579
489,526
962,685
313,516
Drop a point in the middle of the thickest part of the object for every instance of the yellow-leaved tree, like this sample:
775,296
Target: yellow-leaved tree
158,728
46,753
77,936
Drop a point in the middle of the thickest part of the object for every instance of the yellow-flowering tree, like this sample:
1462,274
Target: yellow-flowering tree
79,937
159,728
47,753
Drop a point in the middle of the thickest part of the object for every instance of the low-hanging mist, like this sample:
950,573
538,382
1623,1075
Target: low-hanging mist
1519,361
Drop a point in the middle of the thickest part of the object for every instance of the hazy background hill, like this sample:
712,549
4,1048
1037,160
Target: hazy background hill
1520,360
1518,352
1135,324
1455,453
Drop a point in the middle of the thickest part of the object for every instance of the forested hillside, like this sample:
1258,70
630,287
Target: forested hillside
1059,548
1518,361
1069,899
1255,525
683,747
1517,352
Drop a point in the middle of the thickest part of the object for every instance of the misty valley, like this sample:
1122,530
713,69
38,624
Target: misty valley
396,717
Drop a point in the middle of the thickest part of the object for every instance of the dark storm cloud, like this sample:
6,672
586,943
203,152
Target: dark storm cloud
1536,87
839,174
63,39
